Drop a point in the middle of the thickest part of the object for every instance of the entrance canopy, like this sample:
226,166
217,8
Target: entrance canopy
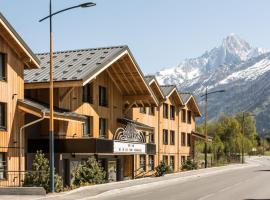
42,110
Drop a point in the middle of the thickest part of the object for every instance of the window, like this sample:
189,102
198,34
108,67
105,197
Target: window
189,117
3,67
151,137
102,128
172,112
183,160
142,163
183,139
165,159
88,127
103,99
144,136
88,93
184,115
151,162
3,165
165,110
172,163
165,136
172,137
143,110
189,139
3,116
152,111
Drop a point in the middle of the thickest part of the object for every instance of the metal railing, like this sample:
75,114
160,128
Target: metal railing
15,178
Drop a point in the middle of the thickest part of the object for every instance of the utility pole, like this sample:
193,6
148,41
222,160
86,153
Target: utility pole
206,121
206,127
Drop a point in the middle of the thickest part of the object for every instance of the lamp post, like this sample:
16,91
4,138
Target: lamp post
51,130
244,114
206,121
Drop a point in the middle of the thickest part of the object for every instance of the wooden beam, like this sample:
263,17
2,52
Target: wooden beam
69,90
129,107
132,98
125,77
117,75
57,84
135,81
116,84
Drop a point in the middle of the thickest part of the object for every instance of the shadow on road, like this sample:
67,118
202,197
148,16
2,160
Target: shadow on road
263,170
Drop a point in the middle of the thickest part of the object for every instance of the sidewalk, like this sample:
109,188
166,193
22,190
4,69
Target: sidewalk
104,189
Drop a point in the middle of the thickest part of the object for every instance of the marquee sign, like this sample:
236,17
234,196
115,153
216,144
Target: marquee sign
129,140
126,147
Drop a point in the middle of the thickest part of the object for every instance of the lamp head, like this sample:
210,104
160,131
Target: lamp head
87,5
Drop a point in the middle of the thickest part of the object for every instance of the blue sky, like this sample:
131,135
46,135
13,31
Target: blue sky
160,33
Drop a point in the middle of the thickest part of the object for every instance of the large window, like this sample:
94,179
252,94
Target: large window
184,118
152,111
189,139
172,112
142,110
183,139
165,110
88,127
3,116
189,116
102,128
151,161
103,96
165,136
172,137
88,93
3,75
3,165
172,163
165,159
151,137
142,163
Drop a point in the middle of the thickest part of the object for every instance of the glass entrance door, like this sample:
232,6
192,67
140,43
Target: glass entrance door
112,170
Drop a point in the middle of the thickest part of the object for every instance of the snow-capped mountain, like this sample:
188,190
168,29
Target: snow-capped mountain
243,71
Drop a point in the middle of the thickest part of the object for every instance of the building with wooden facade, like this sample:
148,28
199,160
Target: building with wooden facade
174,127
104,107
15,57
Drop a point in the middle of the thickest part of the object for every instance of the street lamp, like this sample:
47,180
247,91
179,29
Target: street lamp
244,114
51,130
206,121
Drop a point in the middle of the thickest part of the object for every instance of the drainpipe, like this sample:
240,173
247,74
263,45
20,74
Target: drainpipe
20,142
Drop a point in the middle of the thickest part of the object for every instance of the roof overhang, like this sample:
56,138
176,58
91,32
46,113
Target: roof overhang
9,33
139,125
42,110
178,97
192,101
129,79
156,89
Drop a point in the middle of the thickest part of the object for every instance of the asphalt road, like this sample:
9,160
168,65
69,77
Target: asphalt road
247,183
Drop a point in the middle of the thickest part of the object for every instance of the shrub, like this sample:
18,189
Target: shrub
39,176
161,169
89,172
190,165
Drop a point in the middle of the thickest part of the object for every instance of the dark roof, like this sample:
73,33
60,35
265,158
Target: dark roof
185,96
137,124
18,37
167,89
149,78
44,108
74,64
